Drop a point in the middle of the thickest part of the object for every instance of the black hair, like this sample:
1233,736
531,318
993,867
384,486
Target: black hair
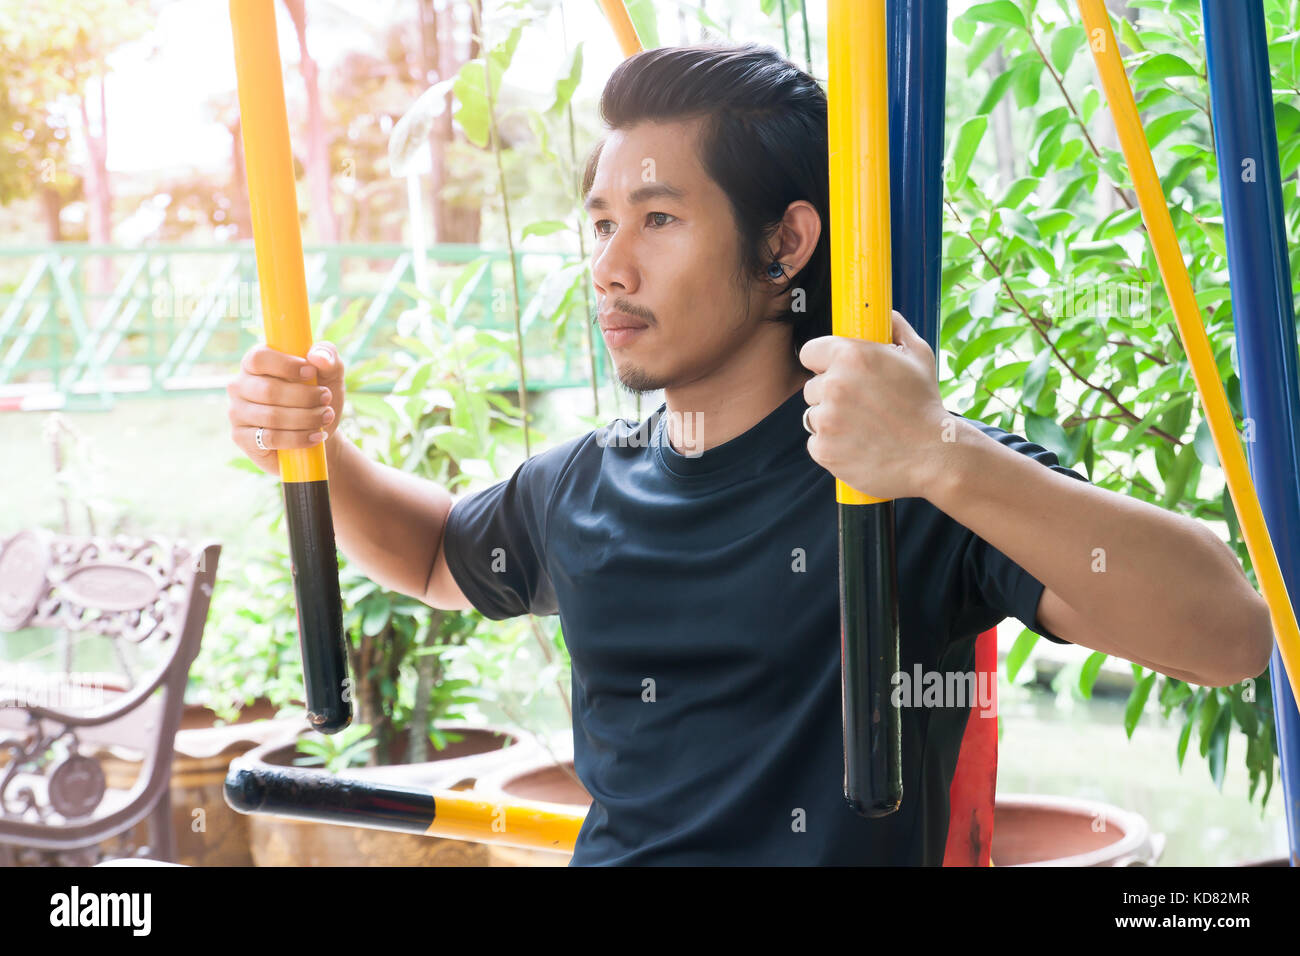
762,139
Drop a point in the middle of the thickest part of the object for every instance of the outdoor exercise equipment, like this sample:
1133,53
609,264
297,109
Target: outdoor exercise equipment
912,125
448,814
861,307
278,243
917,61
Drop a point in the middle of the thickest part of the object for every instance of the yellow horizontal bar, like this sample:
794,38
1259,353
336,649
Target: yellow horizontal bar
1191,328
461,816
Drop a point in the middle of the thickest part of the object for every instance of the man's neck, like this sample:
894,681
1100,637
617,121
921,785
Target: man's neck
709,412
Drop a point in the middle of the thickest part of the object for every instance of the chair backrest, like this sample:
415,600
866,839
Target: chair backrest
146,597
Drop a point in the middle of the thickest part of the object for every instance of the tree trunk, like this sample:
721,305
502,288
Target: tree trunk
318,159
427,674
99,197
240,212
431,63
51,206
1003,145
452,222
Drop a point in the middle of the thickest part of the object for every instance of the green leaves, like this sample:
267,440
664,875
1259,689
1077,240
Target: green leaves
1177,476
982,299
568,81
1204,444
1162,126
542,228
1088,674
472,85
1047,432
1019,652
1217,748
1066,42
1161,67
965,143
995,92
337,753
1137,701
1035,377
1002,12
984,344
642,14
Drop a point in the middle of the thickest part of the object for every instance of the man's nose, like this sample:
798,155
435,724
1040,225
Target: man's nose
613,267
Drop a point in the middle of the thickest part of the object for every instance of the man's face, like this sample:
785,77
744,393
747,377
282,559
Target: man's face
665,257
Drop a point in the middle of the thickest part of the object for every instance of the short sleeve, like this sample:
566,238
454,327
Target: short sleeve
992,586
495,539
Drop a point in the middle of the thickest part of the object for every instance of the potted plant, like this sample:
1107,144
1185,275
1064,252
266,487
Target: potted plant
430,409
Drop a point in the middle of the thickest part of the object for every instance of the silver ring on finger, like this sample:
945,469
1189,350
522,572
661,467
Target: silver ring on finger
807,427
257,437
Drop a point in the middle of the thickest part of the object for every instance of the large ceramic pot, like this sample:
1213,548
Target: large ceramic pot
1028,830
280,841
1038,830
206,831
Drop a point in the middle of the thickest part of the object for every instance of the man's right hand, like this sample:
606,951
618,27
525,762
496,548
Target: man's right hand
294,410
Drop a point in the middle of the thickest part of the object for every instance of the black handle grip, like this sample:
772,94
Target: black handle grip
873,730
320,607
305,794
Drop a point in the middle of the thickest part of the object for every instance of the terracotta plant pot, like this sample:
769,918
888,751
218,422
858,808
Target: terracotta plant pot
280,841
1028,830
1269,861
1037,830
207,832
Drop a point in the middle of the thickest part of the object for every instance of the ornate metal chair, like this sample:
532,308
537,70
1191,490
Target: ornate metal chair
133,609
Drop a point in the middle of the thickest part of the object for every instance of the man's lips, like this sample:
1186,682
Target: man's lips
612,321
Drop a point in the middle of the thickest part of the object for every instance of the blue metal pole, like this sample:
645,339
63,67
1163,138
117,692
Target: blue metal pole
918,47
1245,135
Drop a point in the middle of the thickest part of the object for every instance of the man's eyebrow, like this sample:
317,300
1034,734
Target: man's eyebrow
639,195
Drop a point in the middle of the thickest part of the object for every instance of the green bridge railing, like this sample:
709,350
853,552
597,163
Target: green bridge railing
82,325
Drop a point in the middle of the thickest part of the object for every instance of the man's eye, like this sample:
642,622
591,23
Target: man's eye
597,225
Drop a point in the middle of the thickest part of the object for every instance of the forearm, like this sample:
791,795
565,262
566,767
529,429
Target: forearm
1156,584
389,523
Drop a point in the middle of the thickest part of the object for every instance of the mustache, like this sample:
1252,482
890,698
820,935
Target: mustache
635,313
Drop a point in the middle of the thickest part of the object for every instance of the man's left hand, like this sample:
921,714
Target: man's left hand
878,420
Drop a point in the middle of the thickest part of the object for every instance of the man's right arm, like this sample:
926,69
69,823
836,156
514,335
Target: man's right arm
390,524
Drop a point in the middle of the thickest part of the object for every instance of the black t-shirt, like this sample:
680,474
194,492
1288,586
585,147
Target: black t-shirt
699,601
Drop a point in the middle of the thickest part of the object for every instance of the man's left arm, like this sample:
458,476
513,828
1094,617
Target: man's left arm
1120,575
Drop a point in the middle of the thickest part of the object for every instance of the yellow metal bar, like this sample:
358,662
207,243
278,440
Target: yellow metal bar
1191,328
462,816
273,198
858,142
624,32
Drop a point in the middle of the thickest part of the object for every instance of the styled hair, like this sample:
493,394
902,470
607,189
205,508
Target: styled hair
762,139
